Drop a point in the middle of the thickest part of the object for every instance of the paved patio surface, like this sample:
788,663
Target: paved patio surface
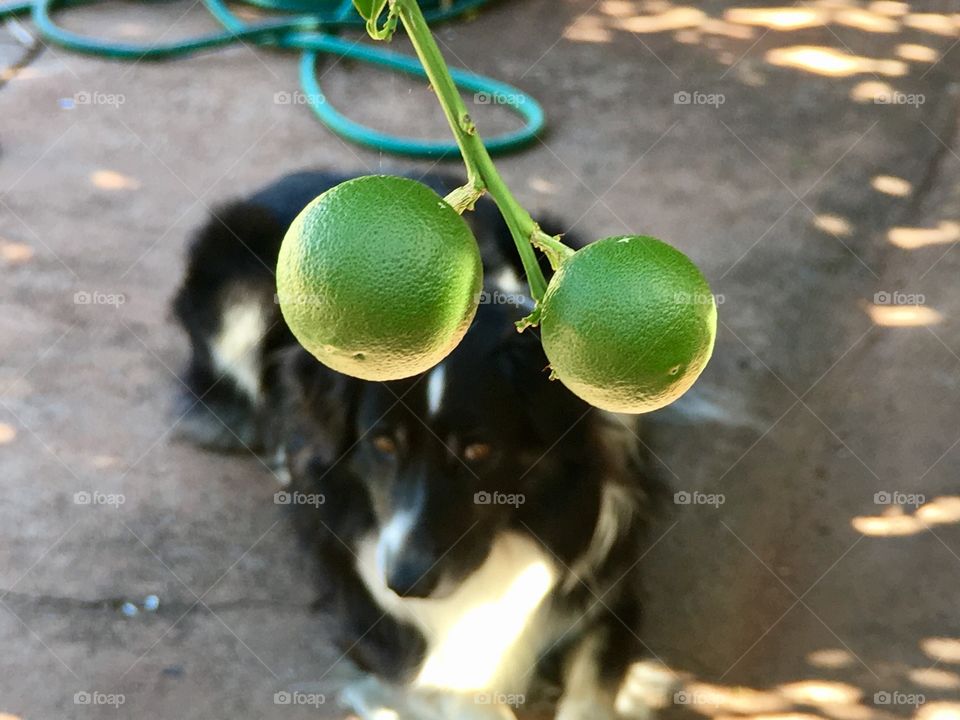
826,220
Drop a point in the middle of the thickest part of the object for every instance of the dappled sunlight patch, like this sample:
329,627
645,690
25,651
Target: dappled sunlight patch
833,224
618,8
849,712
714,26
942,649
830,62
542,185
835,699
911,238
830,658
938,711
688,37
866,21
771,716
15,253
102,462
932,23
777,18
808,699
903,315
892,525
588,28
8,433
689,25
805,16
834,4
113,180
892,185
940,510
726,58
917,53
870,91
821,692
895,522
711,700
889,8
934,678
676,18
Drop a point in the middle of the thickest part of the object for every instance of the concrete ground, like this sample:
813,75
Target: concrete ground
811,169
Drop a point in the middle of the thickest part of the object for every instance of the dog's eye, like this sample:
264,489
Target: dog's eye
385,444
475,452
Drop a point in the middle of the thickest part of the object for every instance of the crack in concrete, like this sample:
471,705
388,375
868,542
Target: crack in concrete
178,606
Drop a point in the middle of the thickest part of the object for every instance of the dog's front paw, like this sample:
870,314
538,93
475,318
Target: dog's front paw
373,699
592,706
646,688
470,707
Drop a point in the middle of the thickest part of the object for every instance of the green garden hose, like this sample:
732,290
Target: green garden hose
310,32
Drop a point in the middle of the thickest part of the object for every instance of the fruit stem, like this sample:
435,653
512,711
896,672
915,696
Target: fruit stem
482,175
551,246
464,198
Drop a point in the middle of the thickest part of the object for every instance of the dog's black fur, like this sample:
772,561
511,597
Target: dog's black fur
417,456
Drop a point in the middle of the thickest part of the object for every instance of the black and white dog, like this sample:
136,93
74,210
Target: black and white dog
480,528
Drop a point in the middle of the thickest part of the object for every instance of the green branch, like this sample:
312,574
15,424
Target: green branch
482,175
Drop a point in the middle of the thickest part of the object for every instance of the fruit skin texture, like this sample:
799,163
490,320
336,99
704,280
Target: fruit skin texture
628,323
379,278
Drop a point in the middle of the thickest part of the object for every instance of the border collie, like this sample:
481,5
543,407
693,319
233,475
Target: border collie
478,528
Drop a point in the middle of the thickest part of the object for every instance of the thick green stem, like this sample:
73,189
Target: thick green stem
482,175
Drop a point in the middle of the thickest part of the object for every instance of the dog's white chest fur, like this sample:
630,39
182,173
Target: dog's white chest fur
486,635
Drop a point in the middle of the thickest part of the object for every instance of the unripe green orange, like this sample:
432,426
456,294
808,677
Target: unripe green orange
379,277
628,323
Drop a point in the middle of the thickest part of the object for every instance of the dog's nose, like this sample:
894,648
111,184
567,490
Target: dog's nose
410,577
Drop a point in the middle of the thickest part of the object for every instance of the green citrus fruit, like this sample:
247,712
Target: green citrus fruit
379,278
628,323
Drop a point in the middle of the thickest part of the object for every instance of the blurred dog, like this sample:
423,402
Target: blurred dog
477,527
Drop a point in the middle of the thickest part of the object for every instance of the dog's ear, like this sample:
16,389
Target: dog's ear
316,407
